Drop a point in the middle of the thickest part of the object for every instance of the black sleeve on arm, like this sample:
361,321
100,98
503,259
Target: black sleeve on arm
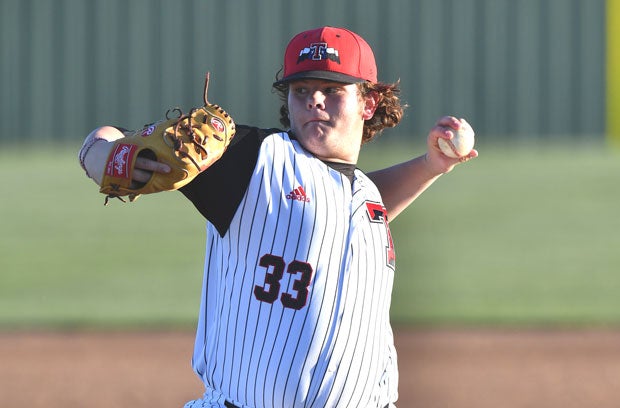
218,191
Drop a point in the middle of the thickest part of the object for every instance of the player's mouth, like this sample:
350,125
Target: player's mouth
317,121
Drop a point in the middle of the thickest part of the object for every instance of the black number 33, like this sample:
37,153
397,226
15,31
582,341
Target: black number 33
270,290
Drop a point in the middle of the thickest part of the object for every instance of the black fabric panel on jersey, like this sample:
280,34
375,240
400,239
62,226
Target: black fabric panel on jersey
217,192
346,169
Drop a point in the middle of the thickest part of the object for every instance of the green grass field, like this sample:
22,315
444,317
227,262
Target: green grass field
520,236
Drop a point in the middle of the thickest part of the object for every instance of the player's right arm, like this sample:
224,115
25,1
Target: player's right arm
95,151
401,184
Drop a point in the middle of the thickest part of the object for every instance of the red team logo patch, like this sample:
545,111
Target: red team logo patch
378,214
120,160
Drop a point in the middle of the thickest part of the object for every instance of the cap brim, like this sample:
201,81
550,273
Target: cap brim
327,75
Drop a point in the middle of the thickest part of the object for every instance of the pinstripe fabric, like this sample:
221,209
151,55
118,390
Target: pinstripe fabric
296,294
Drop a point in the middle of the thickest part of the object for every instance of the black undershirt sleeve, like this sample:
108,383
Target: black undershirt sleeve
217,192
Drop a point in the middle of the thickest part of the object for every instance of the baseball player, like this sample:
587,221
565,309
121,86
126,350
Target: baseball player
299,257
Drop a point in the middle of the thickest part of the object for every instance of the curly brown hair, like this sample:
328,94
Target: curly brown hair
388,114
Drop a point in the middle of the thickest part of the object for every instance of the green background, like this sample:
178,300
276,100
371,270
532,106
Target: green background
526,234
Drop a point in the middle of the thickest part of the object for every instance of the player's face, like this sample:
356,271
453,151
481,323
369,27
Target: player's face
327,118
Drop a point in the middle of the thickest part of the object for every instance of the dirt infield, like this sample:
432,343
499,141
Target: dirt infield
439,369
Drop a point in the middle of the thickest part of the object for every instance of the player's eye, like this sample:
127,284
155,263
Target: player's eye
299,90
333,89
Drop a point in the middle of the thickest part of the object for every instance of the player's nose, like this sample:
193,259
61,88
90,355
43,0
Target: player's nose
316,99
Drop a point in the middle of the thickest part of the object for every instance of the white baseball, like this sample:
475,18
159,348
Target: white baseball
462,142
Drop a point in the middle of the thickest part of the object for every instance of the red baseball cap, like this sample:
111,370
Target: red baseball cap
331,53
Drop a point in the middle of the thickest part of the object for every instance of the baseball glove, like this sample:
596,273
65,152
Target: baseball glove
188,143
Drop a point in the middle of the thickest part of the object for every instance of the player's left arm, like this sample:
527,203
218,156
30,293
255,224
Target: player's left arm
402,183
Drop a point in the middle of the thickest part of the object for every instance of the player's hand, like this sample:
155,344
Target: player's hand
96,149
438,162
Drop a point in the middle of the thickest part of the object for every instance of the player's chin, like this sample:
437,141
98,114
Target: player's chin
312,133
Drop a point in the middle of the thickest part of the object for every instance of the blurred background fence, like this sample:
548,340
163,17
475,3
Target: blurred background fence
513,68
538,224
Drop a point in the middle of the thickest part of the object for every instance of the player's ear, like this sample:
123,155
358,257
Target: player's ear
371,101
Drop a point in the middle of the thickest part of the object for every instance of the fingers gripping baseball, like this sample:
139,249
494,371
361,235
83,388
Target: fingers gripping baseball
449,143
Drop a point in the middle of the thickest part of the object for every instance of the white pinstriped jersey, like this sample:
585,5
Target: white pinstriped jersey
297,289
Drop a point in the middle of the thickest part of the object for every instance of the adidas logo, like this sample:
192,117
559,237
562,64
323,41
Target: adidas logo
298,194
